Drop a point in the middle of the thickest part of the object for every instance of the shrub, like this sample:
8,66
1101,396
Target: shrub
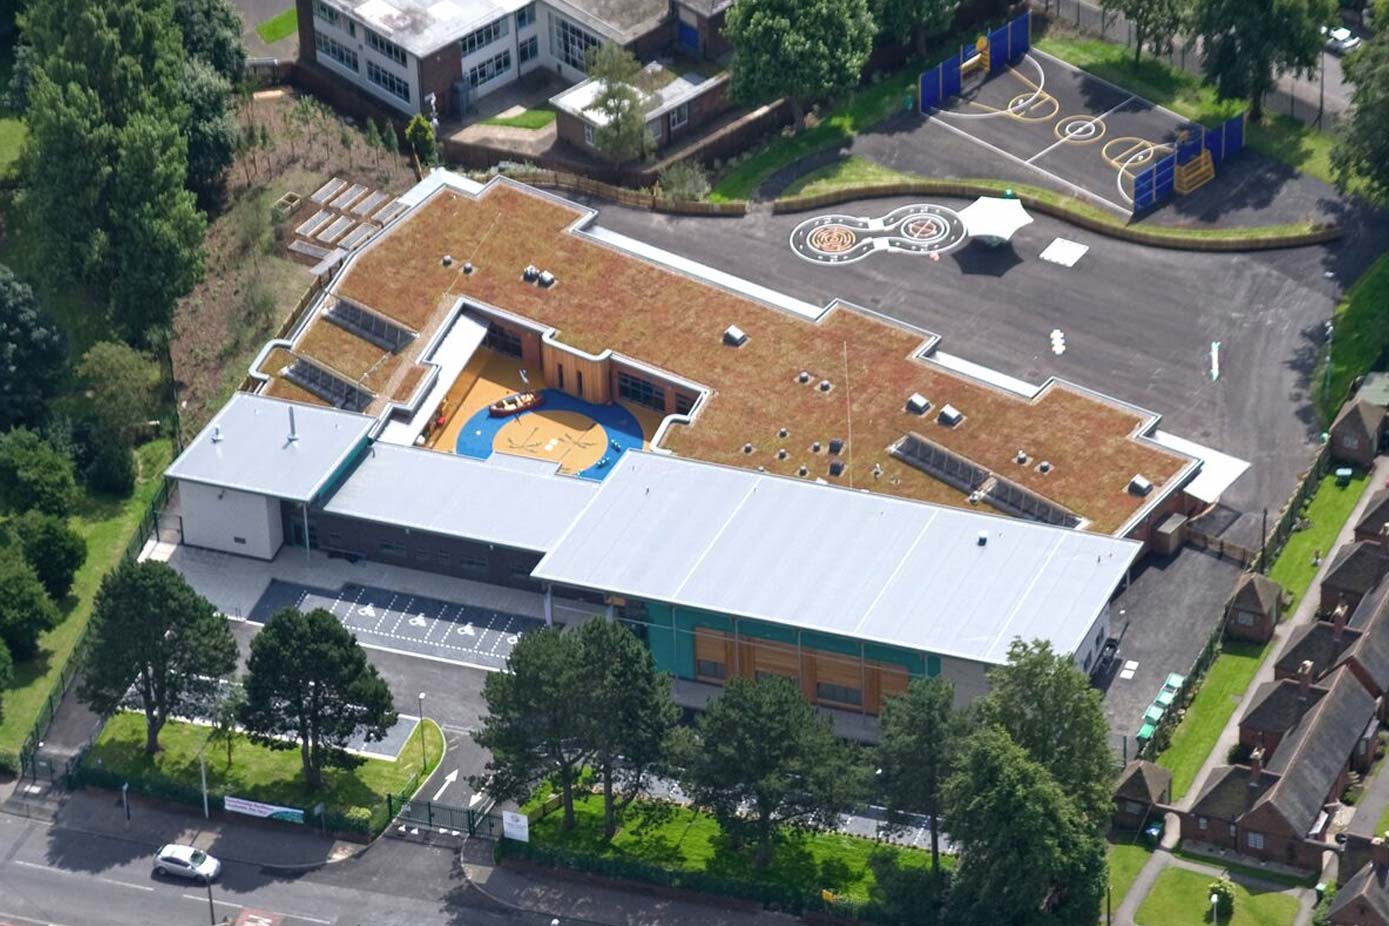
1224,893
34,475
52,548
684,180
25,608
112,469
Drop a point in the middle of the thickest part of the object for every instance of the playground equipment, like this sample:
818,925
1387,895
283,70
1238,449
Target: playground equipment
988,55
1200,152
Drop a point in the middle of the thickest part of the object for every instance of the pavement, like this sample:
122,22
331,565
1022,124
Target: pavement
1374,800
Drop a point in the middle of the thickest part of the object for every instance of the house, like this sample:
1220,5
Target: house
1363,899
1368,655
1320,643
1277,708
1356,568
1373,526
1355,434
1278,813
1252,611
1143,786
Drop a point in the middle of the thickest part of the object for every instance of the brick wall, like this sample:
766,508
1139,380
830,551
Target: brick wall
437,74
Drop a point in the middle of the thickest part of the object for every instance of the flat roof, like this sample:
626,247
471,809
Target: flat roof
673,318
831,559
506,500
680,87
247,446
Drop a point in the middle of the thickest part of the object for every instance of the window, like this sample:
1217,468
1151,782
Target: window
484,36
763,675
684,404
441,558
490,70
642,391
707,668
579,381
588,134
571,44
391,548
1245,618
388,81
326,13
1133,808
335,50
240,540
559,370
421,556
679,116
530,49
1099,636
1256,840
473,563
1087,663
384,47
1202,823
525,16
334,539
840,694
502,341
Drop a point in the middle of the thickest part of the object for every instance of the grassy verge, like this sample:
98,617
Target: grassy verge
1279,137
1180,897
848,172
1361,335
1126,860
278,27
106,524
1225,683
274,776
1250,871
677,838
536,118
1328,510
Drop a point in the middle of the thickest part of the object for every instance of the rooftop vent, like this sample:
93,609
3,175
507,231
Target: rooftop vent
1139,485
918,404
975,498
982,539
293,431
950,416
747,448
216,433
761,468
447,260
547,279
836,446
802,471
803,377
1044,467
734,336
531,273
468,267
815,447
836,467
1021,458
783,432
824,385
781,454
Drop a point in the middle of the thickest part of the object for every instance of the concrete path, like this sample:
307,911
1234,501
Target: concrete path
1372,803
1306,611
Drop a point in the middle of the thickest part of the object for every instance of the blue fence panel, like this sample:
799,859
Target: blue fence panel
1234,135
1164,178
998,49
930,89
1020,33
687,36
1144,186
950,77
967,52
1190,149
1215,144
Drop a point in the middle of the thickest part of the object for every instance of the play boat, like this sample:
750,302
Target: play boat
515,404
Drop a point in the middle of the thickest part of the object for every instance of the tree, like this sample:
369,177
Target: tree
1025,852
1223,890
308,679
151,629
389,140
121,382
800,49
25,608
225,714
16,96
1361,152
1246,44
212,33
1050,709
347,140
6,673
534,724
919,731
1156,23
621,103
373,140
765,758
913,20
684,180
420,134
33,354
210,129
629,712
34,475
52,548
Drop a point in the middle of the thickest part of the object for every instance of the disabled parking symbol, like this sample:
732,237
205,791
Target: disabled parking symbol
366,610
468,630
418,621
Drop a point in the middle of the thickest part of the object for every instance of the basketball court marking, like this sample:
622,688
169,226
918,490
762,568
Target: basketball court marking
1038,92
1081,127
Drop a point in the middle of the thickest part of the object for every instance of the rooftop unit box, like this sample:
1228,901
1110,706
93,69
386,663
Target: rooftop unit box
950,416
1140,485
918,404
734,336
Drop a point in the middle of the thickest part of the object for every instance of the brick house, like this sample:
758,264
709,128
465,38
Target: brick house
1355,569
1277,708
1356,431
1373,526
1252,611
1363,897
1142,786
1320,642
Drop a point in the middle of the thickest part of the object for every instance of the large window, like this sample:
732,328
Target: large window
388,81
483,37
335,50
389,49
490,70
679,116
707,668
839,694
1256,840
641,391
525,16
502,341
530,49
571,44
326,13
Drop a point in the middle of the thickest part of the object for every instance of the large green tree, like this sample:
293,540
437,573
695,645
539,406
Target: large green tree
1361,153
535,723
764,757
1026,852
803,50
1047,705
1156,23
211,31
1246,44
914,21
52,547
25,608
308,683
33,354
150,629
120,381
620,104
919,733
33,475
211,131
629,712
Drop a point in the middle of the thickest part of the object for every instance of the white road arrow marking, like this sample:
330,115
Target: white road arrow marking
449,779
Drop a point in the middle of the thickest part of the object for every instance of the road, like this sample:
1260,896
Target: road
51,876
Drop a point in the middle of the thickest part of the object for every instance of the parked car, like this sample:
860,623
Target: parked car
1340,41
186,862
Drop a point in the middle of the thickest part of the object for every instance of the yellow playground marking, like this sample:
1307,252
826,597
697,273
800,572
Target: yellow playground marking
572,439
1129,151
1037,106
1080,130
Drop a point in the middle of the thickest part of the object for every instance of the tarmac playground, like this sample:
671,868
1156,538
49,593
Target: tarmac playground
1089,135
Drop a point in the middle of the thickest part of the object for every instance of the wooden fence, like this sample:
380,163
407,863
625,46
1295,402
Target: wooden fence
1222,548
641,199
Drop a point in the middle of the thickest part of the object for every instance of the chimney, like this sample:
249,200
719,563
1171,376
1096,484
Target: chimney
293,432
1338,620
1379,853
1256,764
1304,680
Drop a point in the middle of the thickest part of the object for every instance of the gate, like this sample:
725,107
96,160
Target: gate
445,818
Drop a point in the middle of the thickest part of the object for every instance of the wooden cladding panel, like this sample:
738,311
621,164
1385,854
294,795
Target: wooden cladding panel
593,373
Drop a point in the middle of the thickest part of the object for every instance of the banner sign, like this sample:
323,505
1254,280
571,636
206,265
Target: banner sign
516,826
264,811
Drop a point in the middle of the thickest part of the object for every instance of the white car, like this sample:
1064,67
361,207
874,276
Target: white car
1340,40
186,862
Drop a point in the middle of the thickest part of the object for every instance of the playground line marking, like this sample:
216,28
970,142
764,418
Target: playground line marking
1100,119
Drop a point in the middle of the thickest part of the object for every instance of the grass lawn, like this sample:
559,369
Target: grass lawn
1361,332
1383,821
106,524
1225,683
851,171
12,129
1278,137
1179,898
536,118
278,27
656,833
1125,861
1252,871
1328,511
274,776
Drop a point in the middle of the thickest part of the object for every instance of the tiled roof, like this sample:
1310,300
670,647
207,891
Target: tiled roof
1229,793
1256,592
1371,650
1279,705
1376,516
1357,567
1370,884
1363,417
1142,780
1315,642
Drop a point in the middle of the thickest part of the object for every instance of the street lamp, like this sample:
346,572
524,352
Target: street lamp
1215,909
1330,334
423,760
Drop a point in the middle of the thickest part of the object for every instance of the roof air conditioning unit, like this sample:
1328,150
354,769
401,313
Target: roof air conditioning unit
447,260
530,273
734,336
836,467
982,539
1044,467
918,404
547,279
1139,485
950,416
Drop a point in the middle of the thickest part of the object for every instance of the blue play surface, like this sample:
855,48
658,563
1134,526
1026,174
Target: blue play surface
624,431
